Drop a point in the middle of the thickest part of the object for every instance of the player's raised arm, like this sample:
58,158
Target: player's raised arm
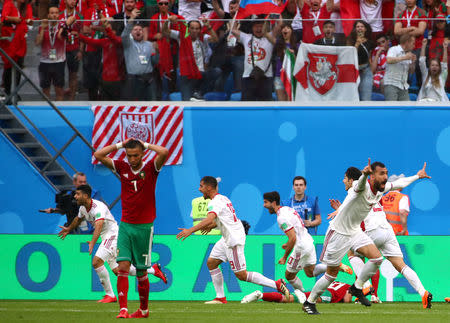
161,154
405,181
363,179
102,154
205,223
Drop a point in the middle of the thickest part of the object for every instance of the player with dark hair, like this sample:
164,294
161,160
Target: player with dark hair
134,245
345,233
300,243
230,248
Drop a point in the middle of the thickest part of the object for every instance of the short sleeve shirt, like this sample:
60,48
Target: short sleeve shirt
307,208
137,192
99,211
231,227
262,53
288,219
412,19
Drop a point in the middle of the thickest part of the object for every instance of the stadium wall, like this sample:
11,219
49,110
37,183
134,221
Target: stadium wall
253,149
45,267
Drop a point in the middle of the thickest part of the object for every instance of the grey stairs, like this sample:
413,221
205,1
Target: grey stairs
27,144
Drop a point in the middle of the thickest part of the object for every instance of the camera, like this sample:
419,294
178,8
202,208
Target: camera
66,202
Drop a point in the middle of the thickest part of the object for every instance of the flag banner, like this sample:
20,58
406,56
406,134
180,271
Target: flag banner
257,7
287,74
326,73
159,125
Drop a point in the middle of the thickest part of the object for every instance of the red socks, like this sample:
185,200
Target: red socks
122,288
273,297
375,280
143,289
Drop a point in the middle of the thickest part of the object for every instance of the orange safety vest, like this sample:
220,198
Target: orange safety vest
391,202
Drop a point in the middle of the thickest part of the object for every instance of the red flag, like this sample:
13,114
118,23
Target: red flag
160,125
349,10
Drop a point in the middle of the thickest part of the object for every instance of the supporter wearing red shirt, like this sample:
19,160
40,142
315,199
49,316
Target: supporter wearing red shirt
53,55
113,62
432,9
314,15
16,16
413,20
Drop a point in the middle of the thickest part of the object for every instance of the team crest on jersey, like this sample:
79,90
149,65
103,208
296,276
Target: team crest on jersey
142,174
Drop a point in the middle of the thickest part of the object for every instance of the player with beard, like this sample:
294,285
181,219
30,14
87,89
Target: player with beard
345,233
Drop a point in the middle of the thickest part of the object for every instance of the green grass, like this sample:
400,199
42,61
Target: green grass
164,311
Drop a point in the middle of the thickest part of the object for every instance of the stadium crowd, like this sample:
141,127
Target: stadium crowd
194,50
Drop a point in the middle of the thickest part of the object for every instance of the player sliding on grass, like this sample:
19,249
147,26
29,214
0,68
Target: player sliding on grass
230,247
299,242
344,232
337,292
98,214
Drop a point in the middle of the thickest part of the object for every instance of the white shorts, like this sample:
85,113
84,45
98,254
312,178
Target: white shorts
386,242
235,256
301,258
107,251
336,246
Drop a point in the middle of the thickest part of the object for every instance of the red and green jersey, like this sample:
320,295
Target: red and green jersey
412,18
137,192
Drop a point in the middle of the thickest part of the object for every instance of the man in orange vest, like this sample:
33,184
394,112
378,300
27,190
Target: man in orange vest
396,207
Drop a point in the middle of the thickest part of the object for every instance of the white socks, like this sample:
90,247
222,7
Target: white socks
257,278
320,286
132,271
319,269
151,271
217,280
103,274
413,279
367,271
297,283
357,264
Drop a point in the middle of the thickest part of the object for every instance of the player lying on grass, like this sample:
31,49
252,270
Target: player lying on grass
337,292
300,252
98,214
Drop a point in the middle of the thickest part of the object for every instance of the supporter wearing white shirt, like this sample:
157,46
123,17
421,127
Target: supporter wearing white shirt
230,248
189,9
371,13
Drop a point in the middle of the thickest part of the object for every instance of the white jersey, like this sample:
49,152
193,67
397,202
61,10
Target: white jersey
358,203
231,227
289,219
376,219
371,13
99,211
262,53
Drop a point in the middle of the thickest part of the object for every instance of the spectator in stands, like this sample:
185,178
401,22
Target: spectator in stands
360,37
286,41
316,15
114,6
336,18
16,16
74,50
121,18
306,206
189,9
53,54
257,80
196,78
400,62
168,48
228,53
379,62
370,11
432,9
329,37
112,59
140,58
437,37
412,21
433,83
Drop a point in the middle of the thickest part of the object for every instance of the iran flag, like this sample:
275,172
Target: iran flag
287,74
326,73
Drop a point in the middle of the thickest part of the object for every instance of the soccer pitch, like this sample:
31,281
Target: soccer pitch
172,311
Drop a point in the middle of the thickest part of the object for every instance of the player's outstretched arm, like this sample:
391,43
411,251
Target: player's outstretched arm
66,230
102,154
405,181
363,179
205,223
96,234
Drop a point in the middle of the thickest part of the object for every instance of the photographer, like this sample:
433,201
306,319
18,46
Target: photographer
66,204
